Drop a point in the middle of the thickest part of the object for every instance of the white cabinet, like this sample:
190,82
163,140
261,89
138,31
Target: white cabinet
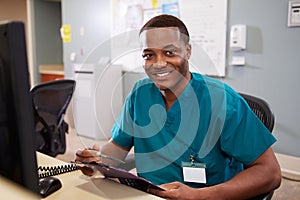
97,99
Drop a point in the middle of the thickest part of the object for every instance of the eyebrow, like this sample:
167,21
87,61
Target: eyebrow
146,51
170,46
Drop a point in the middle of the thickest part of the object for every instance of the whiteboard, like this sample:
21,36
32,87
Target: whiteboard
206,21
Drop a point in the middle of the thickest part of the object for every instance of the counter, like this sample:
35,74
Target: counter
51,72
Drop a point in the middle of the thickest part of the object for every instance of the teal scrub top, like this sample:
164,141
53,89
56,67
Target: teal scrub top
209,122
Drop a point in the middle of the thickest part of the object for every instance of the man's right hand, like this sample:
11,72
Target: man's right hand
88,155
111,154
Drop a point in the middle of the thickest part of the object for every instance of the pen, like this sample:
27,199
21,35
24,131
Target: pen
107,156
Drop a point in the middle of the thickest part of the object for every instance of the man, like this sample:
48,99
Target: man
191,134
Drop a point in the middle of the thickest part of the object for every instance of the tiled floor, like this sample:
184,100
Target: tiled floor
289,190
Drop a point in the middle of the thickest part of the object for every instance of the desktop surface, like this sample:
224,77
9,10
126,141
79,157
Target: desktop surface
13,191
75,185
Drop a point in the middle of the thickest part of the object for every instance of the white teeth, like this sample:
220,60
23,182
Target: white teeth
163,74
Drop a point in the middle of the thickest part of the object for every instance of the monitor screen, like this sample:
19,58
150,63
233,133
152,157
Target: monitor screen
17,139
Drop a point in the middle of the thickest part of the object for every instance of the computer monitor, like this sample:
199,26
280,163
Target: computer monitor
17,140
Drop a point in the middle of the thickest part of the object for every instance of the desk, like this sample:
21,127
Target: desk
75,185
13,191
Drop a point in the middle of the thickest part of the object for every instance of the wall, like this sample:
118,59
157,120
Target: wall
48,40
9,10
45,17
90,28
89,51
272,65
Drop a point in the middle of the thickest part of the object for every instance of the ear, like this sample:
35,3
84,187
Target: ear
188,51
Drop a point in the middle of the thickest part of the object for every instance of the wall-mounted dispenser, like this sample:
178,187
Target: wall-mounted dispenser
294,13
238,37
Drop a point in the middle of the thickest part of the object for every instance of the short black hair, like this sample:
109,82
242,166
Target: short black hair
165,20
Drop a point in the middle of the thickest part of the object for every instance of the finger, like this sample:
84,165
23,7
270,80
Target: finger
96,147
170,186
83,153
156,192
86,156
88,171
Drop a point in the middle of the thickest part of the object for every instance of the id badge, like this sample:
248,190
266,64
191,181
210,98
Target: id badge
194,172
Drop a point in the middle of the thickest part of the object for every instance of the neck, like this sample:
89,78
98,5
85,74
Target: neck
170,95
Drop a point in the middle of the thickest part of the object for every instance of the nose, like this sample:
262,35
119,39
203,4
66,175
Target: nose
160,62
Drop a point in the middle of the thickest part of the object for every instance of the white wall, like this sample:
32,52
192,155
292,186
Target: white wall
272,65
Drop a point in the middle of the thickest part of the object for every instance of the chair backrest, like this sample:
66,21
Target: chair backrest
50,102
263,111
53,97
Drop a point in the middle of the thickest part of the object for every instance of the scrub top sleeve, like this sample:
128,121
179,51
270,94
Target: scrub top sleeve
122,130
244,136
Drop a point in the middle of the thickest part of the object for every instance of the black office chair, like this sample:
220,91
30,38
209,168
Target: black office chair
50,102
263,111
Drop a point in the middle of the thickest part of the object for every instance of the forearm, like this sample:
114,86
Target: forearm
262,176
113,150
245,185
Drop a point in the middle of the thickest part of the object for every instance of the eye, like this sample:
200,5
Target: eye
170,52
147,56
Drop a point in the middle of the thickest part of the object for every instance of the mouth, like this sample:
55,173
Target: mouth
162,74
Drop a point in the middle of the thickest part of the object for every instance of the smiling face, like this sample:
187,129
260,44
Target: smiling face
166,58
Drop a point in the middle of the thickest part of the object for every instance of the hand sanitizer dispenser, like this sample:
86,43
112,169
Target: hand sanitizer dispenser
238,37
